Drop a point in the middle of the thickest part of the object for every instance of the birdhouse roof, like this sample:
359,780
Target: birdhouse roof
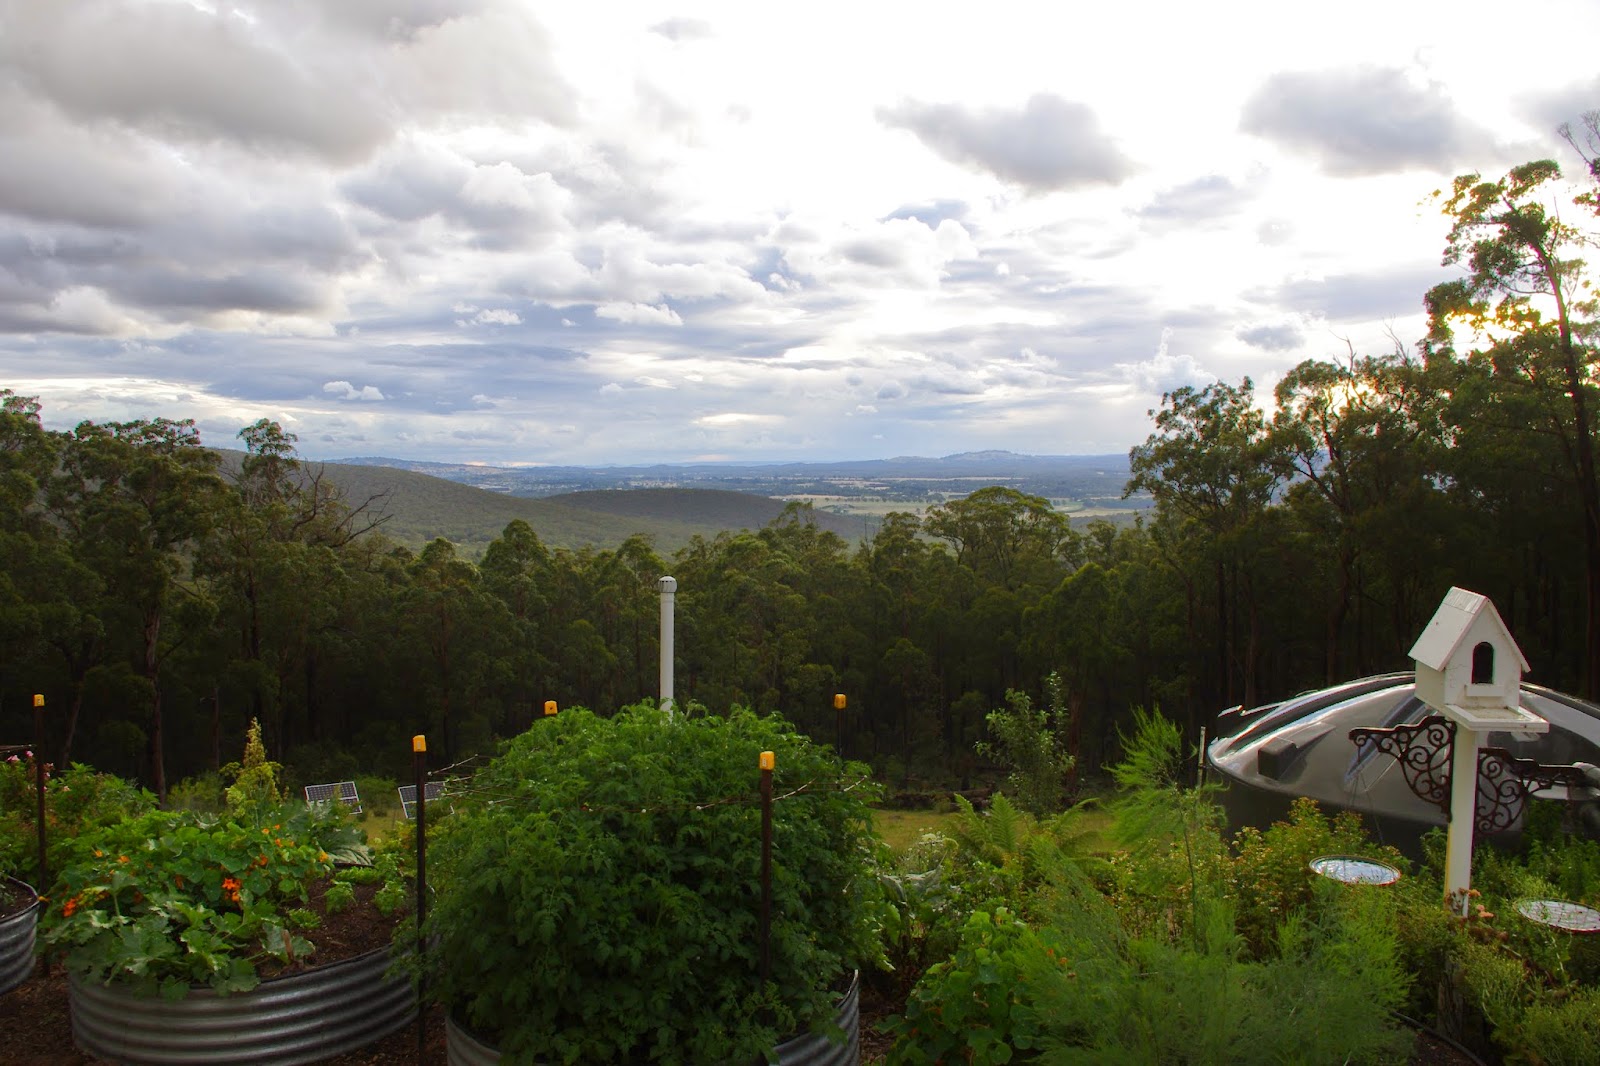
1450,624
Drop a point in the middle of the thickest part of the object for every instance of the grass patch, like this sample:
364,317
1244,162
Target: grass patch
901,829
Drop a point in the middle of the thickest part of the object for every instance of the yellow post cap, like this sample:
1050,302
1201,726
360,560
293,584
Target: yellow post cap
549,706
419,743
769,761
838,701
38,699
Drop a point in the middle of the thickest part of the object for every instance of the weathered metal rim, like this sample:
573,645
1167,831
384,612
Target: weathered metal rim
297,1018
17,933
462,1048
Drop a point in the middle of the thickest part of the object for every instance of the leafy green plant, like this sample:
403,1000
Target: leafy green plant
172,899
254,792
973,1007
598,894
76,801
339,897
1271,875
1031,742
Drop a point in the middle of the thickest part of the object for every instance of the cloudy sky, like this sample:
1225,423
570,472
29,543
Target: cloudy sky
489,230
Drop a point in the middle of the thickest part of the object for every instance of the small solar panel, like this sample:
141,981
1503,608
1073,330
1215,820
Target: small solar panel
335,792
433,790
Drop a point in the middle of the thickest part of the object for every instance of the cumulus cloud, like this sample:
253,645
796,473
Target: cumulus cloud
1363,120
639,314
497,316
1164,372
343,390
1047,144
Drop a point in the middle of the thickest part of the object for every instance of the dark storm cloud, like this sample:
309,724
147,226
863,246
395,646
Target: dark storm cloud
1284,337
1047,144
1355,297
1363,120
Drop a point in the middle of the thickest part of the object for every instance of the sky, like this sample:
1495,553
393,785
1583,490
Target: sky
615,233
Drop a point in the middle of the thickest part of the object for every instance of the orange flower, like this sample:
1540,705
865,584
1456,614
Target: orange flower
230,888
69,907
99,854
322,856
122,858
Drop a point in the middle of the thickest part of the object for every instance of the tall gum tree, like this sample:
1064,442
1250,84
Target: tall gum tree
1530,305
136,497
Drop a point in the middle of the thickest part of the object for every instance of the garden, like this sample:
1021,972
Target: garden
597,892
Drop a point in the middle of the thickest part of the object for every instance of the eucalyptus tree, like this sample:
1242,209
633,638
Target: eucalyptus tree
1529,313
516,569
460,629
136,498
1357,441
1207,466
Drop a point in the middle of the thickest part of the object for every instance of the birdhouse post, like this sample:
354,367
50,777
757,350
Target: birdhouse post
1469,669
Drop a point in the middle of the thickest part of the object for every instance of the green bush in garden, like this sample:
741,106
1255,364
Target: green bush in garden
76,801
598,890
1148,965
1271,875
973,1007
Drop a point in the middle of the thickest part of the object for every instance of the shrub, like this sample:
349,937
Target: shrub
973,1007
76,801
1271,875
598,900
1031,742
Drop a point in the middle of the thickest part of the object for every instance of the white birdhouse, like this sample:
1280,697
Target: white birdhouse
1470,669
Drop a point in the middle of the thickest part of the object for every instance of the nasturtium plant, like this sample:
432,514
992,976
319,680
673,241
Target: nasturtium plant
599,889
172,899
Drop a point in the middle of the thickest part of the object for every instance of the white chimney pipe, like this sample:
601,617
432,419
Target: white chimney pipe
668,587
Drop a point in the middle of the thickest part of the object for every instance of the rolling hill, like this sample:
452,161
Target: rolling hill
417,508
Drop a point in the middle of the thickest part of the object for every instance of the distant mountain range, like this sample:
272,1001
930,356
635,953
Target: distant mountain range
1099,477
576,507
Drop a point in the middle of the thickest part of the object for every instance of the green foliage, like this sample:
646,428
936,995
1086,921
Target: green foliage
1176,855
204,794
623,855
339,897
1084,987
973,1007
378,795
76,802
171,899
254,792
1031,742
1271,876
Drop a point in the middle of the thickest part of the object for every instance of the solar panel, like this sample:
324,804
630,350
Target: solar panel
335,792
432,791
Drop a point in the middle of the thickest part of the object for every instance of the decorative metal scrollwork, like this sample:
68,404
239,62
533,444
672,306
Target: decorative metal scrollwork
1423,751
1505,782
